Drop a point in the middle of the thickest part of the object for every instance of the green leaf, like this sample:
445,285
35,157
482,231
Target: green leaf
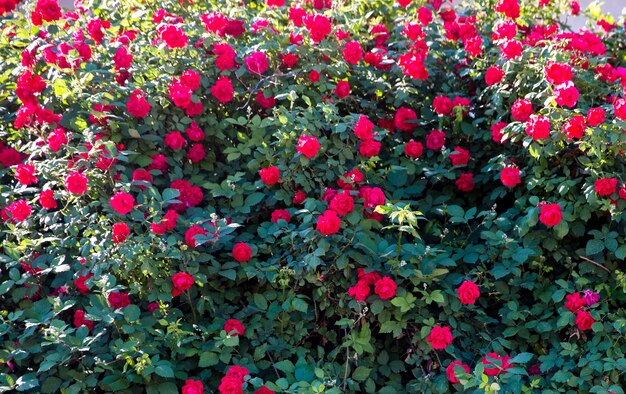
594,246
300,305
164,371
361,373
522,358
208,359
6,286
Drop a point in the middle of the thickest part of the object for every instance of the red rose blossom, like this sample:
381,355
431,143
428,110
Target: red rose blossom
342,203
223,89
468,292
510,176
234,326
270,175
342,89
122,202
242,252
76,183
385,288
460,156
550,214
328,223
605,186
494,75
435,140
118,300
493,369
120,232
308,146
450,370
413,149
182,282
192,387
583,320
439,337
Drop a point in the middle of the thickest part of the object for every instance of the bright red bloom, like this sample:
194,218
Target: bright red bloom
80,283
364,128
270,175
538,127
619,107
583,320
493,76
314,76
521,110
137,106
56,139
242,252
175,140
46,10
595,116
223,89
299,197
372,197
510,176
360,291
405,119
491,369
465,182
566,94
385,288
182,282
605,186
122,202
352,52
280,214
318,26
46,199
460,156
265,102
264,390
509,8
118,300
25,174
558,73
439,337
442,105
575,127
308,146
191,233
328,223
192,387
79,320
256,62
173,36
468,292
413,149
196,153
511,49
369,148
574,302
235,325
120,232
342,89
342,203
550,214
455,365
435,140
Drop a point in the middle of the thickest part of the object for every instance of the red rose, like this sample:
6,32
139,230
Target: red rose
439,337
173,36
583,320
234,325
619,107
175,140
196,153
223,89
25,174
120,232
242,252
342,89
595,116
191,233
118,300
493,75
56,139
19,210
510,176
364,128
369,148
328,223
468,292
308,146
606,186
496,131
318,26
465,182
385,288
79,320
493,369
122,202
137,106
80,283
558,73
372,197
180,94
47,10
360,291
521,110
566,94
140,175
299,197
314,76
230,385
264,390
256,62
265,102
538,127
46,199
442,105
413,149
573,302
575,127
76,183
450,370
405,119
550,214
435,140
237,372
509,8
280,214
459,157
352,52
342,203
182,281
193,387
270,175
511,49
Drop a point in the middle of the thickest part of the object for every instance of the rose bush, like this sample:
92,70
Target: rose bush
311,196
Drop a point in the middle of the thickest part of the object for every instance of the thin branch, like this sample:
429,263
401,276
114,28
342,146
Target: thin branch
595,263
